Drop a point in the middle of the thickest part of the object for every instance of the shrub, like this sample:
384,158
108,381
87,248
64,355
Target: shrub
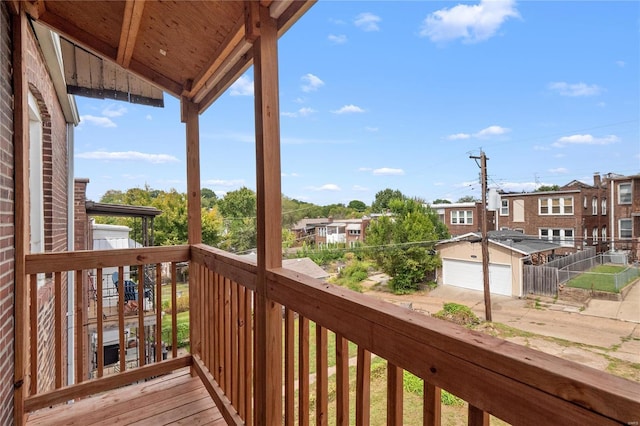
459,314
415,385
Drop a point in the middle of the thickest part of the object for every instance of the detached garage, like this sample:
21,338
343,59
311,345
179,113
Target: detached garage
508,250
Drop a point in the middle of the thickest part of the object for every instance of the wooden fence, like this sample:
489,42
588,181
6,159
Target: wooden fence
542,280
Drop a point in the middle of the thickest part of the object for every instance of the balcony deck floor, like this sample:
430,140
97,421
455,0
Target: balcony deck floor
176,398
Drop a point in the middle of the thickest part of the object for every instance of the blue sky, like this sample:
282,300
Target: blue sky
397,95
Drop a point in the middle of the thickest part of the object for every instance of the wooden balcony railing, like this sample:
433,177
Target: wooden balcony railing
511,382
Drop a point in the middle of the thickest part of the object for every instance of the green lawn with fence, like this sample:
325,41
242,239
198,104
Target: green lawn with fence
605,277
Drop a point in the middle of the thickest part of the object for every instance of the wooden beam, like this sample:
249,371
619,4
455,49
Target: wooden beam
104,384
252,20
395,401
227,410
21,225
34,8
268,327
194,212
14,7
232,41
207,96
129,33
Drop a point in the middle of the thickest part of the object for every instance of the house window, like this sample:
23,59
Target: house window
322,232
504,208
603,209
555,206
594,206
624,193
604,233
354,232
584,237
520,230
564,237
585,201
36,206
624,226
594,234
462,217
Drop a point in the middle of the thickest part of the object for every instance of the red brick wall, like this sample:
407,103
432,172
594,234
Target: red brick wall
6,220
54,151
83,238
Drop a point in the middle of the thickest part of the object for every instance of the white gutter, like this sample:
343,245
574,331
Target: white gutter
70,246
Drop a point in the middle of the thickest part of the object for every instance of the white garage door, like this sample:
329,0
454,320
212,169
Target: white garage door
469,275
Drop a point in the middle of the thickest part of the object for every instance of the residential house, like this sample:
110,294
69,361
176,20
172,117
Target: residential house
305,229
509,251
624,214
462,218
575,216
349,232
241,342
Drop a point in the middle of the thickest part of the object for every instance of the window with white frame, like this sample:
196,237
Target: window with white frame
354,232
604,233
603,209
504,208
594,234
36,205
624,193
584,237
584,201
564,237
555,206
594,206
462,217
322,231
624,228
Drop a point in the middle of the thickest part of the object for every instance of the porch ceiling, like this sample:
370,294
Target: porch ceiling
195,49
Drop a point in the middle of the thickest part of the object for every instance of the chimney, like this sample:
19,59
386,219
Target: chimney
596,180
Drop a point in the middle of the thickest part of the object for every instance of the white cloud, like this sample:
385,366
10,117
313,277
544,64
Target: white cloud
371,129
575,89
359,188
348,109
559,170
492,131
481,134
386,171
471,23
458,136
521,186
148,117
113,111
128,155
223,182
311,83
585,140
337,39
97,121
326,187
621,64
302,112
242,87
367,21
365,169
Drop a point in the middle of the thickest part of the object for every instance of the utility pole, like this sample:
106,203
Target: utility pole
485,239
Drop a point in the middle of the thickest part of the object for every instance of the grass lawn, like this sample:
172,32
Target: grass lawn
181,288
600,278
183,327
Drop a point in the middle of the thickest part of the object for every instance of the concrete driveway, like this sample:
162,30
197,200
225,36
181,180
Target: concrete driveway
626,310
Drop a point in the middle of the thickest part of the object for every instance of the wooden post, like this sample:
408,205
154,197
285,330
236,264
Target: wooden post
21,170
268,316
189,113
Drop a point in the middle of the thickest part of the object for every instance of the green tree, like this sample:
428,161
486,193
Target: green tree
383,199
208,198
239,211
441,201
212,226
357,205
403,245
544,188
467,199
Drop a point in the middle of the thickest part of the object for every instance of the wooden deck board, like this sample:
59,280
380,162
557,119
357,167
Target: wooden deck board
176,398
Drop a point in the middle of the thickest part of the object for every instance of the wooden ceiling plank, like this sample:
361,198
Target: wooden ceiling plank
69,58
34,8
78,35
129,32
235,37
155,77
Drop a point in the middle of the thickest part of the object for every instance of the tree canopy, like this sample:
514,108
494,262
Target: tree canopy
544,188
467,199
441,201
357,205
403,244
383,198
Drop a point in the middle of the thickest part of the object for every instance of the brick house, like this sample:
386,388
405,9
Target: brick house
462,218
624,213
47,147
323,231
575,216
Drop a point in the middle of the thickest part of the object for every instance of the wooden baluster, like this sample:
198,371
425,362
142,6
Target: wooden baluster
121,289
158,304
303,371
227,336
58,328
218,333
100,323
174,310
204,283
432,407
477,417
394,395
33,319
248,345
142,352
342,380
322,386
211,318
363,387
242,351
82,302
289,365
235,397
